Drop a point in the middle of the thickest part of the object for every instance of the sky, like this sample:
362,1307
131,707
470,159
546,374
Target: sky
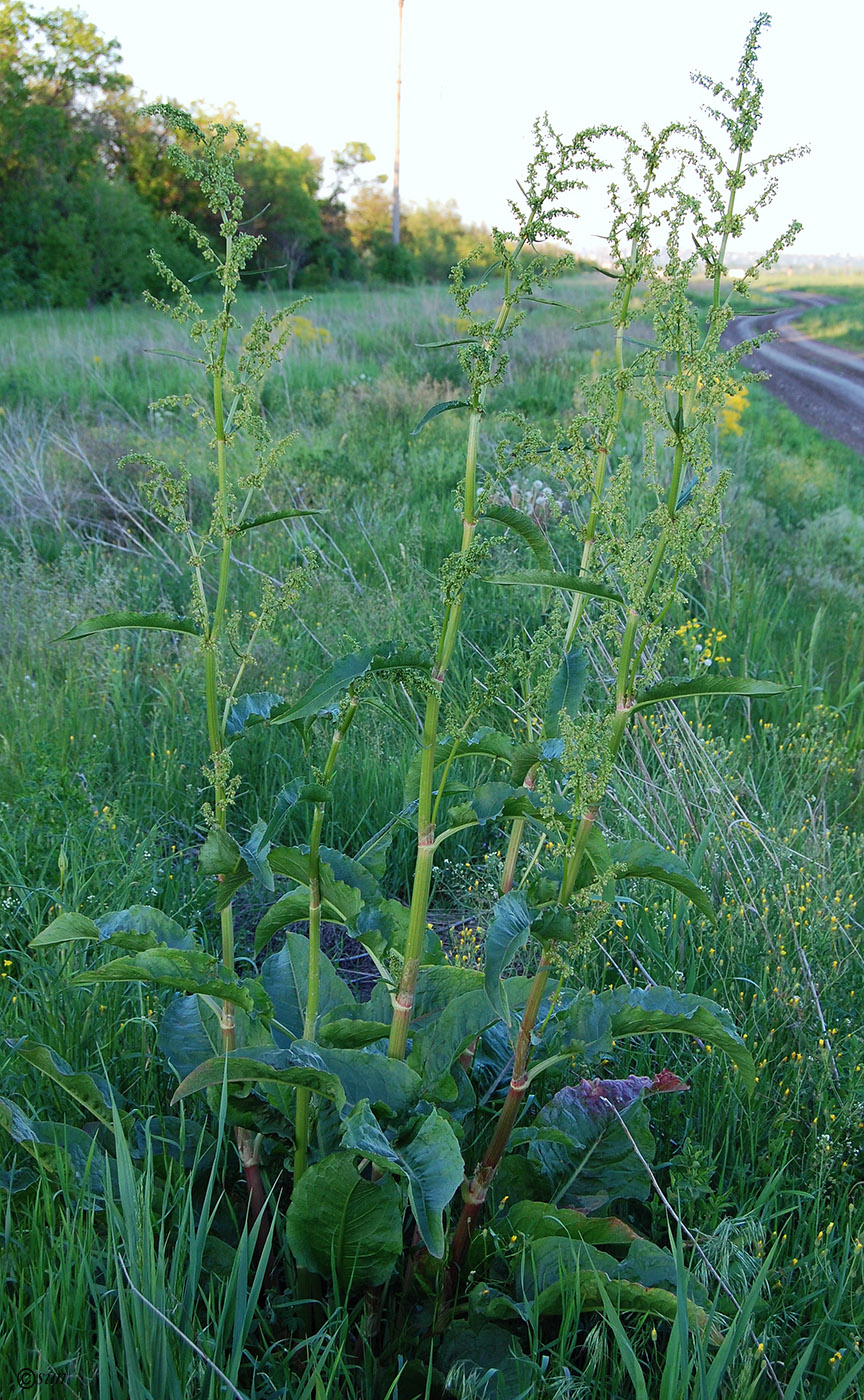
476,73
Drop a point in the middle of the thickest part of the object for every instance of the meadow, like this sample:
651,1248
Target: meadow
133,1272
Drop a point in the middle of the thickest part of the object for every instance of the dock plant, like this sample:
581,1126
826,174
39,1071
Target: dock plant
372,1132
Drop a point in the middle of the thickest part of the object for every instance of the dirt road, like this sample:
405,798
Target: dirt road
823,385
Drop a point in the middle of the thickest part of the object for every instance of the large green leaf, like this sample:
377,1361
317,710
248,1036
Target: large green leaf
183,1037
185,971
492,1357
527,529
66,928
324,693
255,852
438,986
382,928
434,1049
537,1220
340,1224
141,927
440,1039
285,976
90,1090
566,691
51,1143
190,1033
220,854
363,1074
341,900
525,756
351,872
343,891
581,1026
255,707
642,860
290,909
264,1066
508,931
557,1267
351,1032
641,1010
705,685
431,1163
550,578
109,622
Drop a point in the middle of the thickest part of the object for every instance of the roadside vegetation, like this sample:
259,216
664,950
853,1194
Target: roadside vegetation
137,1250
843,322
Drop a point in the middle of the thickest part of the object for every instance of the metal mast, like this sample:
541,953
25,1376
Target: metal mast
396,209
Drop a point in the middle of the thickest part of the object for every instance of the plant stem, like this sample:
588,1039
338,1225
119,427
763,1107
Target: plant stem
576,846
404,1001
313,986
477,1191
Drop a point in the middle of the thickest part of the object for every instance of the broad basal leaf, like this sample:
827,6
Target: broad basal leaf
557,1267
431,1163
192,971
537,1220
66,928
363,1074
264,1066
587,1157
183,1036
285,976
189,1032
50,1143
493,1358
143,922
90,1090
341,1224
351,1032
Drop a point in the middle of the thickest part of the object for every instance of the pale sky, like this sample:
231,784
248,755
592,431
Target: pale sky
477,72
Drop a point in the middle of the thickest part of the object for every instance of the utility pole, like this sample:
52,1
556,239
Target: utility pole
396,210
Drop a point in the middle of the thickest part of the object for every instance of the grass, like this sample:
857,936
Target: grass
842,322
100,788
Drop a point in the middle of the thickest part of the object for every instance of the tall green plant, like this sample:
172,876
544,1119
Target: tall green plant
377,1097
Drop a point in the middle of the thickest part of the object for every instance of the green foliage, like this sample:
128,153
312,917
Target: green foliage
377,1107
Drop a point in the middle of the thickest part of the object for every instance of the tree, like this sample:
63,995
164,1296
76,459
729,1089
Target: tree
70,232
